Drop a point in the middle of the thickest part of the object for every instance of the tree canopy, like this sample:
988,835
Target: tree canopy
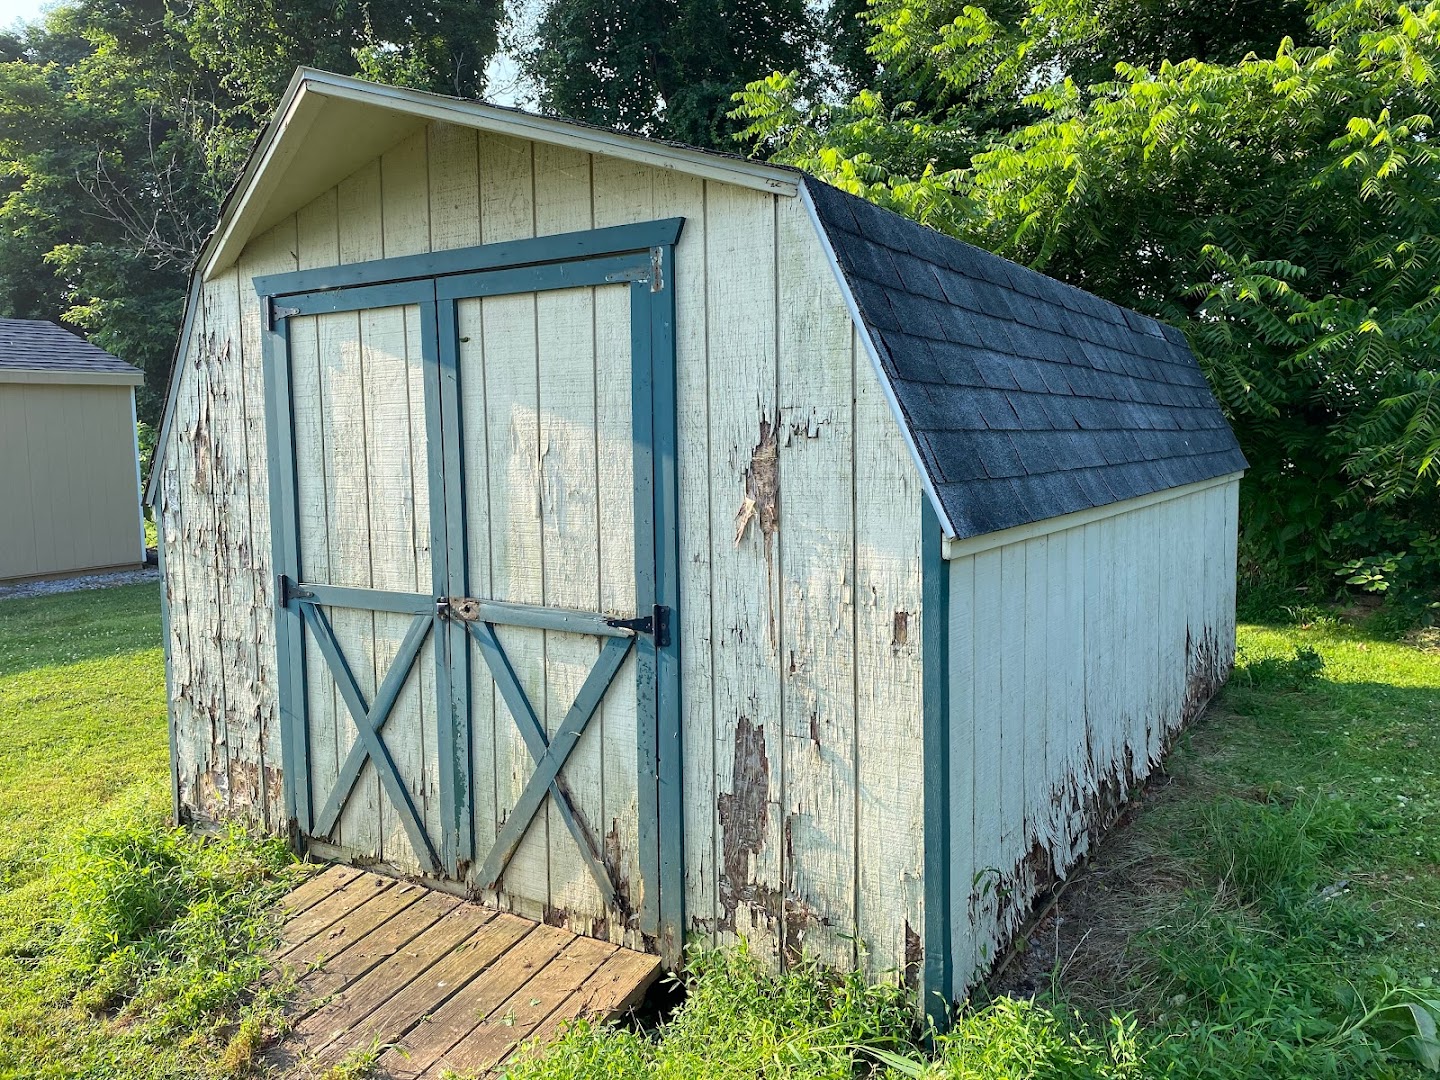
123,122
1281,208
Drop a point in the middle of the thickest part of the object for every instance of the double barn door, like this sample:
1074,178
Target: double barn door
473,505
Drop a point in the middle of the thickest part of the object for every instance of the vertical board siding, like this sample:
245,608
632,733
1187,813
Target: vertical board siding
800,621
275,252
1129,628
888,688
816,563
745,510
68,482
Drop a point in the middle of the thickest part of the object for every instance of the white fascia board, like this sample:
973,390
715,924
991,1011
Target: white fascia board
973,545
70,377
523,125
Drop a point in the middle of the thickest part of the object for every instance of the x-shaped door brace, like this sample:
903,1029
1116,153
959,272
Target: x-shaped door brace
549,754
369,720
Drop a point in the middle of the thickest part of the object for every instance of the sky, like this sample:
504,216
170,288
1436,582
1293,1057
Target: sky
11,11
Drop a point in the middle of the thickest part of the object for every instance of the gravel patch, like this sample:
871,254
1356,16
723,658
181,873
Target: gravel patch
74,584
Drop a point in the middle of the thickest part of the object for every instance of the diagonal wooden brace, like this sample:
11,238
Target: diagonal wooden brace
549,755
368,722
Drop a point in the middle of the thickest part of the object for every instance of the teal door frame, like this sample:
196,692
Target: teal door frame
641,256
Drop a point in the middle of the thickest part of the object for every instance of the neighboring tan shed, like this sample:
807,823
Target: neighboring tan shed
667,545
69,462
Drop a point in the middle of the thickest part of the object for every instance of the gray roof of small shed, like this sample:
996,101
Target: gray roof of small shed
35,345
1026,398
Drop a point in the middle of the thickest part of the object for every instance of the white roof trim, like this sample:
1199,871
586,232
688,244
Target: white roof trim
53,376
973,545
947,529
303,106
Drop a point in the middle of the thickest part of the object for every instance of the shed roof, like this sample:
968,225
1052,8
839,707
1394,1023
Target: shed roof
1024,398
32,350
1021,399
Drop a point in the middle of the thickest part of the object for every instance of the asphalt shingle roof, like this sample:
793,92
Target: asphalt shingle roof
34,345
1026,397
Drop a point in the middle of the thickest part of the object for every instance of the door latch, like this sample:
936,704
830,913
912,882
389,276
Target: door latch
656,624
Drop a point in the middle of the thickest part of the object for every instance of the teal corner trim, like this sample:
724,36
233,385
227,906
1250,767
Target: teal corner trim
169,674
668,687
646,698
937,980
285,556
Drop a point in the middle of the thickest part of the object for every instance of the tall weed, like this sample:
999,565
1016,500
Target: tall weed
136,953
739,1023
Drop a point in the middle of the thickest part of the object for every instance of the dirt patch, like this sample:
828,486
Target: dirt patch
1082,935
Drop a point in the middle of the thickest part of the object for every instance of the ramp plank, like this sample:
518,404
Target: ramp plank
446,986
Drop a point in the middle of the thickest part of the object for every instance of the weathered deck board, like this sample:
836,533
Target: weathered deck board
447,985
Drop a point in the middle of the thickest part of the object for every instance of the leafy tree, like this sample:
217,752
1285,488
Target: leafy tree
123,123
1285,211
663,67
254,46
104,191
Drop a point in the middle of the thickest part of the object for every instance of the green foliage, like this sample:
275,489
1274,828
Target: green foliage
663,67
1283,208
254,46
739,1022
128,949
1293,673
1012,1038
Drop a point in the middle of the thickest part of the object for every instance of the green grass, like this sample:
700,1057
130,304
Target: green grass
1270,909
127,948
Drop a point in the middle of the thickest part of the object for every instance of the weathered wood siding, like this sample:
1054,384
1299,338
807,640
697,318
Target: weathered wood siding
799,537
1075,658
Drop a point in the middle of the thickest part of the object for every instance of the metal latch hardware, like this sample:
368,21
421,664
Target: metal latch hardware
287,589
463,608
657,624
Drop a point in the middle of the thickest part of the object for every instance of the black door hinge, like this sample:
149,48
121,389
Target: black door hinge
657,624
275,313
287,589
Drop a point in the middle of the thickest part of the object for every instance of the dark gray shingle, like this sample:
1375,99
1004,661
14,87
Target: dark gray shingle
32,345
1027,398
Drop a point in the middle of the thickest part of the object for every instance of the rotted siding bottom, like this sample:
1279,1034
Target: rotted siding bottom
1075,658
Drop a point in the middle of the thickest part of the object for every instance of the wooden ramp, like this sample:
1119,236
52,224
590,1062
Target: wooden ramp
446,986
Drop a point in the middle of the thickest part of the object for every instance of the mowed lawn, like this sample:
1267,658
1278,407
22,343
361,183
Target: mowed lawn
82,715
127,949
1270,906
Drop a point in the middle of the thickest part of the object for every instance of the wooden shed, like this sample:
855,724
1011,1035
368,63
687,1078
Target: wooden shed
667,545
69,461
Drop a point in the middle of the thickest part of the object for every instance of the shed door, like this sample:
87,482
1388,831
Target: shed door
550,475
365,705
476,543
